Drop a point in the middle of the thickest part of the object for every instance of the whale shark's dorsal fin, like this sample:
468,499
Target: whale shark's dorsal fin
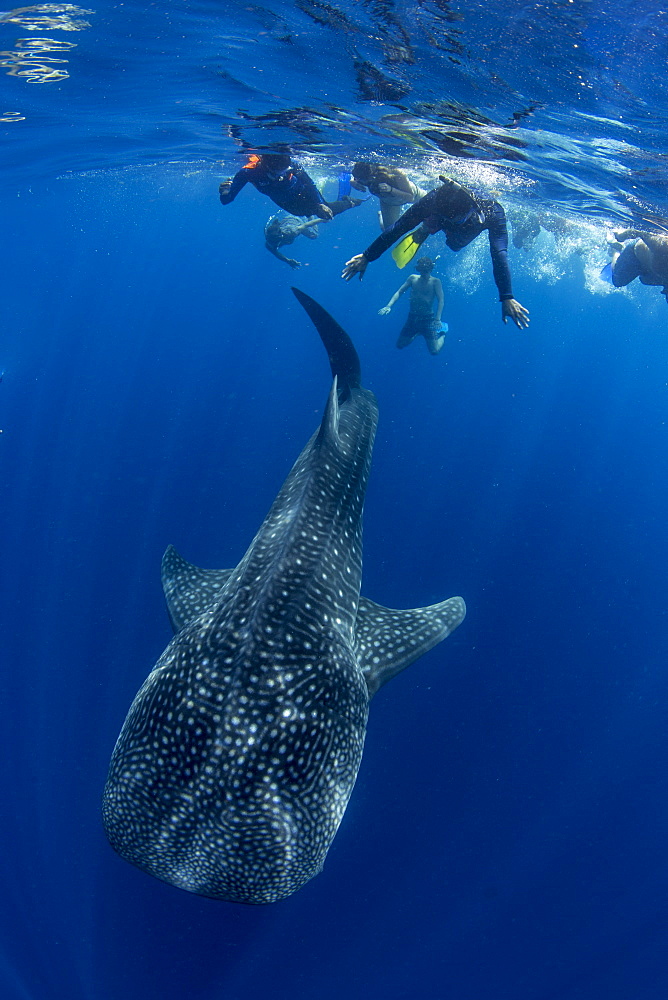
329,425
188,589
389,640
343,358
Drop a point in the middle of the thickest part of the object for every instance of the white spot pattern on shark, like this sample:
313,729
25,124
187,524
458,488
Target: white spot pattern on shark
238,756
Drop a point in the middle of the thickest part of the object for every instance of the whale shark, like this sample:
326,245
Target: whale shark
238,756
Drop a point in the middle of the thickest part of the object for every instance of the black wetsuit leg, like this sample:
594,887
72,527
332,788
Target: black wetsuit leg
626,267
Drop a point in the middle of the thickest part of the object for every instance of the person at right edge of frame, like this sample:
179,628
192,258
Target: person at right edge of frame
646,258
453,210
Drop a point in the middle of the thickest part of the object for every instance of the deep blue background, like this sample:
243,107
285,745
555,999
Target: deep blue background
507,834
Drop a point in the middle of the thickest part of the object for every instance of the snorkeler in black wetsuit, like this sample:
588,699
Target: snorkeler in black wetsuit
454,211
287,184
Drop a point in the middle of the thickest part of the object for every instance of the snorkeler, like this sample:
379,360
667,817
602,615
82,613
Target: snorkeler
421,321
525,227
645,258
453,210
390,185
282,230
287,184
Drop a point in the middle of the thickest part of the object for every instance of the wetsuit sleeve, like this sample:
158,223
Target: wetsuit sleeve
497,230
239,180
411,218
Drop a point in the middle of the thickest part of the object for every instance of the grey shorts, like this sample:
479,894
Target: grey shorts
419,325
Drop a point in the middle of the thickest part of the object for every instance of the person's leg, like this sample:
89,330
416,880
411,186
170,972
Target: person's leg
652,252
644,256
435,344
433,338
343,204
408,334
389,214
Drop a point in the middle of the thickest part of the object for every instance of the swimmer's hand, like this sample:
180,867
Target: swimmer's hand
324,212
294,264
384,311
356,265
384,188
519,315
224,191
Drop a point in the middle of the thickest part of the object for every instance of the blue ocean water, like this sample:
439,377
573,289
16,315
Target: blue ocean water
506,836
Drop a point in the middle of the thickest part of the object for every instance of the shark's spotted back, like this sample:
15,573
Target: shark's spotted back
239,754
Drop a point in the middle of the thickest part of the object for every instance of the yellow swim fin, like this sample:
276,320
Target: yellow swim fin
405,250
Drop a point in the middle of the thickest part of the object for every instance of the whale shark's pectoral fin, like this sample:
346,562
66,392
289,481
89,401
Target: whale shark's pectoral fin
188,589
389,640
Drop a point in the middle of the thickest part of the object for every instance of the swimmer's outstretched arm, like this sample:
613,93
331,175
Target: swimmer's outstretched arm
395,298
229,189
307,225
438,289
286,260
628,234
411,218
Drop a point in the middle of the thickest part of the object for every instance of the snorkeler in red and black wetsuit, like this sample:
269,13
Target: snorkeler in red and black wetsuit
287,184
453,210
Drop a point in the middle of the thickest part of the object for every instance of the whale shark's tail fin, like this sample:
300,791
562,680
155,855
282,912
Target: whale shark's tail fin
343,359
